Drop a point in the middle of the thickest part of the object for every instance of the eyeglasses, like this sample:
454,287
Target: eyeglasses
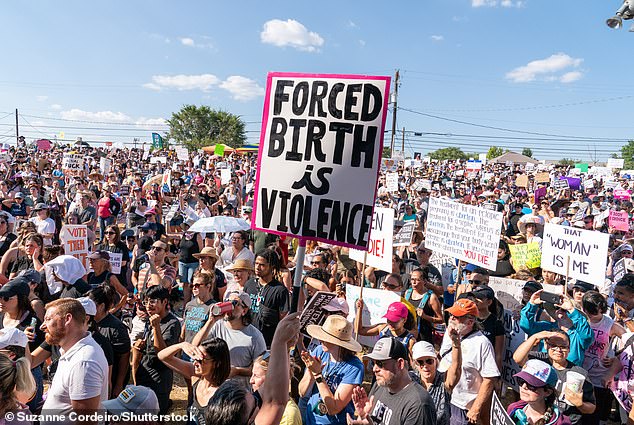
558,347
151,301
430,361
158,248
523,383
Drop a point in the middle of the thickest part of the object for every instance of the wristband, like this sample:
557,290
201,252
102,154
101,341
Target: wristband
319,379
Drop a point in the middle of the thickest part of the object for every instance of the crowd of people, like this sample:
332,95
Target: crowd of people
152,304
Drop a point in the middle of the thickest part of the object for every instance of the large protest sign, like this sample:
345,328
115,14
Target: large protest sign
318,162
526,254
375,304
380,248
74,238
624,380
391,182
405,234
498,413
72,162
521,181
225,176
313,313
105,165
462,231
587,250
618,271
542,177
561,184
615,162
115,262
619,220
622,194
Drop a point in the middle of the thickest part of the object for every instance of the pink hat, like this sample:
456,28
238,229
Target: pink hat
396,311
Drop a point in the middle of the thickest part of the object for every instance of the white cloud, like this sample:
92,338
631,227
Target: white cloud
495,3
548,69
186,41
362,43
570,77
242,88
56,106
202,82
42,98
78,114
352,25
290,33
150,122
437,37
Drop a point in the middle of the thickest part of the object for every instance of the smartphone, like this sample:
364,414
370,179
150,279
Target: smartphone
550,298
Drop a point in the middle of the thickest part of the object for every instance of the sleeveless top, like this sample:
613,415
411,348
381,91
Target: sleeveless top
598,350
96,280
425,329
196,410
188,247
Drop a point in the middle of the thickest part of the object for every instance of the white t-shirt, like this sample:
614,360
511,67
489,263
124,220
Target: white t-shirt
43,227
82,373
478,362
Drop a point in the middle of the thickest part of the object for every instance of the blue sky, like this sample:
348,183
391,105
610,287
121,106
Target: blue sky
112,71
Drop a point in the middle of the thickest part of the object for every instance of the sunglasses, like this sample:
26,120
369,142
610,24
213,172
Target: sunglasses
429,362
6,299
315,263
388,286
158,248
197,285
523,383
109,233
476,282
380,363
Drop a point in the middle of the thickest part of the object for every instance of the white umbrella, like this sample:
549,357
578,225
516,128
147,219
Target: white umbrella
220,223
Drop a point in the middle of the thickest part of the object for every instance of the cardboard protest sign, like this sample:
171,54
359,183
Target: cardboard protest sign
624,380
391,182
74,238
225,176
588,184
388,164
375,304
618,271
526,254
542,178
587,250
380,248
318,162
105,165
72,162
582,166
115,262
498,413
446,265
561,184
619,220
404,236
621,194
463,231
615,163
521,181
313,314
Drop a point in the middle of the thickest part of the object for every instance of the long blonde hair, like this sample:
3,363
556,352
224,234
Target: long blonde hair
15,376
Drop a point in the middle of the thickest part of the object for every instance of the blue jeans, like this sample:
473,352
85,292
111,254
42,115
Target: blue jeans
186,271
103,223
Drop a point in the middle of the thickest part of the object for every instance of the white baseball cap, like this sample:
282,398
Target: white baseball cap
423,349
89,305
337,304
12,336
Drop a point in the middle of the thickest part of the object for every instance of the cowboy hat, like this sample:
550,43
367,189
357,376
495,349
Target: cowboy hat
335,330
241,265
206,252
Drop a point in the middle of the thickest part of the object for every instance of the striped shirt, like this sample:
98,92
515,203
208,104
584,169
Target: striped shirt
165,271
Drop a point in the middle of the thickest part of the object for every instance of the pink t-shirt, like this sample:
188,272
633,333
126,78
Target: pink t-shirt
103,207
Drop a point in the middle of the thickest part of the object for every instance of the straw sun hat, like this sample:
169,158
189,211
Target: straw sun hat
335,330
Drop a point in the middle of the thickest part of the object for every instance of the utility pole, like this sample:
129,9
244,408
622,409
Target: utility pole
17,131
394,104
403,142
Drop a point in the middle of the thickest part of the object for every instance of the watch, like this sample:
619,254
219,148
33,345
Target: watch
319,379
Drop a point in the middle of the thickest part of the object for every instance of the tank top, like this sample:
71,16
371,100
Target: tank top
96,280
425,329
187,249
196,410
598,350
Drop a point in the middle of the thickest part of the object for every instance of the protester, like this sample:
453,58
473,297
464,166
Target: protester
394,398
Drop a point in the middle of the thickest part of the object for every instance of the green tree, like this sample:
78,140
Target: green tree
567,162
527,152
387,152
448,153
199,126
494,152
627,153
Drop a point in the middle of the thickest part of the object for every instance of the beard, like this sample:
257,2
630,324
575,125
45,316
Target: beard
231,316
461,328
385,382
54,337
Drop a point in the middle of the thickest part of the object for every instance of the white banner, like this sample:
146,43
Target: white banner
115,262
105,165
615,163
380,249
74,238
587,249
225,176
462,231
375,304
391,182
73,162
319,156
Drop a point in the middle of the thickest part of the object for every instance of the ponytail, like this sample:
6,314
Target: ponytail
15,378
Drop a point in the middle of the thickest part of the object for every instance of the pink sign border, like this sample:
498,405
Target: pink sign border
265,117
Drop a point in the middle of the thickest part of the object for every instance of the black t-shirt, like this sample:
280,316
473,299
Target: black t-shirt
116,333
6,243
25,323
267,302
76,290
492,327
152,372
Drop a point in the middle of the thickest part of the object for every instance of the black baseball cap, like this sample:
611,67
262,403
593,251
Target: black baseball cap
17,286
388,348
532,286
